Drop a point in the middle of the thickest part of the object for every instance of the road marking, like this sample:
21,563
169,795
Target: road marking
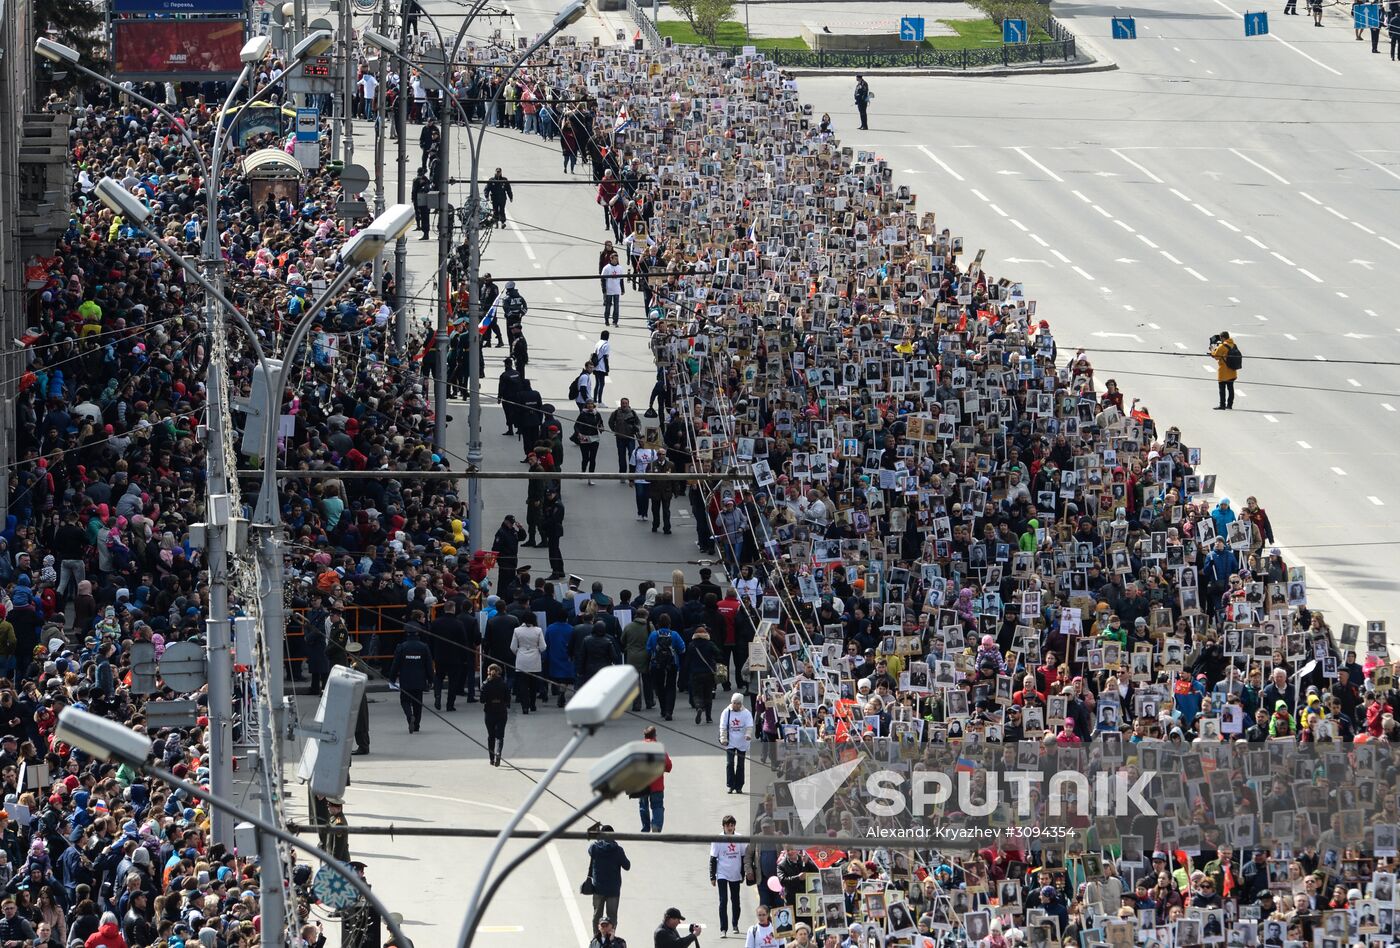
1053,175
500,929
941,163
1102,212
1039,240
1370,312
1149,325
561,878
1229,225
1378,165
1152,177
1387,406
1203,210
1273,174
1271,419
1256,242
1081,196
1363,227
1080,271
1353,383
1062,258
1282,258
1343,295
1336,213
1023,227
1124,226
1320,358
1196,275
999,210
1310,275
1180,345
1170,257
1376,500
524,241
1207,368
1310,198
1233,299
1339,472
1392,243
558,299
980,195
548,282
1146,241
1180,195
1261,318
1304,445
1290,337
1316,62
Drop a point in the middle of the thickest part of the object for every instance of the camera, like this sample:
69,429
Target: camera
1214,341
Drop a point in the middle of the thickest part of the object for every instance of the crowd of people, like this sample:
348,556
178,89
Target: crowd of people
938,533
933,532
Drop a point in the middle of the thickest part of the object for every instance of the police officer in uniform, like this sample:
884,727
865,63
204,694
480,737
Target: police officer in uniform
412,670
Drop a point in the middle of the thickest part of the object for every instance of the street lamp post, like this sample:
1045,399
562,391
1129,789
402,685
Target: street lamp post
566,16
109,740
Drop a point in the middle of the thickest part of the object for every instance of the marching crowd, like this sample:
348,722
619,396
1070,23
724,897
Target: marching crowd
935,532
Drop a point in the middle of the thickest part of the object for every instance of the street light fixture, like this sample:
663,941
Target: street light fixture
55,51
380,41
121,201
370,242
314,45
255,49
110,740
570,15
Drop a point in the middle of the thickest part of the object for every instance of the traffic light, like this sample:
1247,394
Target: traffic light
325,758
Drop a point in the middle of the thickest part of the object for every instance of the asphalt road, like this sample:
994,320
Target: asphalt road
1212,182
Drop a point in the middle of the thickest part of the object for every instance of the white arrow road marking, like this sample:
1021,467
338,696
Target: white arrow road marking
1365,263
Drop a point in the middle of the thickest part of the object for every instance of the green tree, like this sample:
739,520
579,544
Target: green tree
1032,12
705,16
75,23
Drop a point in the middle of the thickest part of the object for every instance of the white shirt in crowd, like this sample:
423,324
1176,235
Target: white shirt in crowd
749,589
602,355
738,726
369,84
761,936
729,860
642,459
585,387
612,279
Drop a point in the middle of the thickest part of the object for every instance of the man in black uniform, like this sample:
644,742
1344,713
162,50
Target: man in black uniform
421,203
449,645
499,192
412,670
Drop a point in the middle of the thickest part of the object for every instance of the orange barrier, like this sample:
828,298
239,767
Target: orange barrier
364,623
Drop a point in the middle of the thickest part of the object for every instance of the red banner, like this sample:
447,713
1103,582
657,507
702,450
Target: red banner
194,48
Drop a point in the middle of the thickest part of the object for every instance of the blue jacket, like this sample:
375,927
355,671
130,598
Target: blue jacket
1219,565
677,644
560,662
606,860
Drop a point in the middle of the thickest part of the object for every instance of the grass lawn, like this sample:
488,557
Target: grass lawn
730,34
977,34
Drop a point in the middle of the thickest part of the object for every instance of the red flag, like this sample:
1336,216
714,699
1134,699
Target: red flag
826,858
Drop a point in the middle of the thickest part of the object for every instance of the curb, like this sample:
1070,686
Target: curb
1092,65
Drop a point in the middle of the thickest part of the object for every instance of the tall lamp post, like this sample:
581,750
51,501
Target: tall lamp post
365,246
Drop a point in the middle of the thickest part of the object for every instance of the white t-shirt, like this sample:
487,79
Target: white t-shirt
612,282
370,84
602,355
730,860
739,725
761,936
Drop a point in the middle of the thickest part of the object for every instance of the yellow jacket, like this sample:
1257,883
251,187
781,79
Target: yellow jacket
1223,373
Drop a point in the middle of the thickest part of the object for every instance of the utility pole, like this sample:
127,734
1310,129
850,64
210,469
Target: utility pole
401,245
444,254
347,45
380,127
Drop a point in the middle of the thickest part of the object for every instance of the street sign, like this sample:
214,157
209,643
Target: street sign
1124,28
911,29
1256,24
1014,31
308,125
307,154
182,667
1366,16
182,712
354,179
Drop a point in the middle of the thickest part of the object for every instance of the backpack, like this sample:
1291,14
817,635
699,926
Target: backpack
1234,359
573,390
664,657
